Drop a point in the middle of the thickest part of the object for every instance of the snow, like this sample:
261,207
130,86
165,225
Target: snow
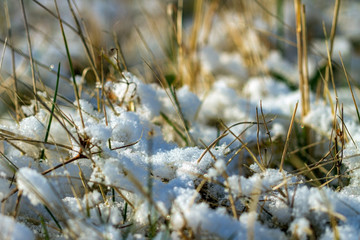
122,171
36,188
175,171
10,229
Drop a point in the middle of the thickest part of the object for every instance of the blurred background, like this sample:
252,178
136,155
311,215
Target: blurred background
190,42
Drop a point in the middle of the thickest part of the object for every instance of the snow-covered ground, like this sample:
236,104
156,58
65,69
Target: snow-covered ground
151,161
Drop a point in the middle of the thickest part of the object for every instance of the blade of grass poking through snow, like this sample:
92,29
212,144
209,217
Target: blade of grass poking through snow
268,161
52,111
243,144
288,137
167,119
43,225
160,76
53,217
184,122
258,138
352,93
71,65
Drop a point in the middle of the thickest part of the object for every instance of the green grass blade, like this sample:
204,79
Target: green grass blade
43,225
167,119
76,89
53,217
125,212
52,111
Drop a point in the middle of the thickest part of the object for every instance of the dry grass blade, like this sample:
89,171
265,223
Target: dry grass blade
9,32
55,15
195,70
302,54
264,8
243,144
334,25
225,176
252,210
88,49
351,90
258,139
329,69
305,62
3,53
30,51
288,138
267,133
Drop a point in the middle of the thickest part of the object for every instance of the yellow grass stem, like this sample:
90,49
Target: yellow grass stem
288,138
305,62
302,55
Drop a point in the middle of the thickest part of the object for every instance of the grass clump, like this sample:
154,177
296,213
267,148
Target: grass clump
213,133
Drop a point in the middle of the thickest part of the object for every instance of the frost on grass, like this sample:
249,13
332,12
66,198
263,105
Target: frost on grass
37,188
134,177
142,162
157,180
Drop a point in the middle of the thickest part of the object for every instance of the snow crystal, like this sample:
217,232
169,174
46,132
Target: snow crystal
87,107
222,102
36,187
341,44
348,232
260,231
4,188
10,229
34,126
127,127
98,133
220,166
277,130
276,63
168,164
150,105
258,88
300,227
209,59
189,103
86,230
125,90
263,181
233,65
203,220
320,118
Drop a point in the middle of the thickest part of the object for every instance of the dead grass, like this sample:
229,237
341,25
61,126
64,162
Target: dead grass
296,151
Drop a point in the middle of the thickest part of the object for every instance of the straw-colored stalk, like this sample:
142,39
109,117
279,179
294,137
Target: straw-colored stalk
302,57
